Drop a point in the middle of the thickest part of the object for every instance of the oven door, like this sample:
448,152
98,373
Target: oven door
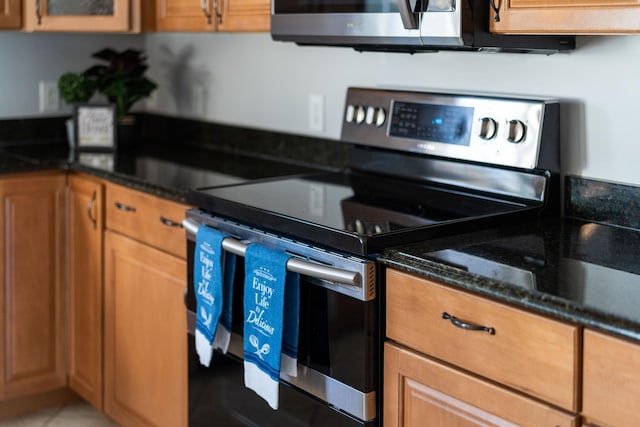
338,348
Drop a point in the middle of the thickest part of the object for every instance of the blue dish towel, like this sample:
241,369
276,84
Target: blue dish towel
271,306
209,281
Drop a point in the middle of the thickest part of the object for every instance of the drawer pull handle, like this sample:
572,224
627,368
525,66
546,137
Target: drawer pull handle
124,207
170,223
468,326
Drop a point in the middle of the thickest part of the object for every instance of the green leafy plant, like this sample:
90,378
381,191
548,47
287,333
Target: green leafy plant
121,79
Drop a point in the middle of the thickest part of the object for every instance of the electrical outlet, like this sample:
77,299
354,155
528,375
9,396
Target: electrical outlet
49,96
316,113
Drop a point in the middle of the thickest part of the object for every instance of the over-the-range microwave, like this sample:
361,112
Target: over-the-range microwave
402,25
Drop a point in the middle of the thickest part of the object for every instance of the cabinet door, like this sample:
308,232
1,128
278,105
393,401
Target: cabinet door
32,327
421,392
86,220
79,15
10,14
245,15
610,380
525,351
185,15
567,17
145,335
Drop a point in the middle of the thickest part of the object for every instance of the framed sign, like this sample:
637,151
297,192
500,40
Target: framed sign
95,127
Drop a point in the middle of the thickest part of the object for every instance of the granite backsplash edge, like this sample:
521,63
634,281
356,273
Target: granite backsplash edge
160,129
601,201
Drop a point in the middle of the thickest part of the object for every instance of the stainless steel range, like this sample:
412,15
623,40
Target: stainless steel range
422,165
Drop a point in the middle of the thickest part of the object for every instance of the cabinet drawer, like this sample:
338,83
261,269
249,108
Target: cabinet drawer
610,380
418,388
146,218
532,353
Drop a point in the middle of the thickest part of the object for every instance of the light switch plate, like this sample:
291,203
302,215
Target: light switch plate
49,97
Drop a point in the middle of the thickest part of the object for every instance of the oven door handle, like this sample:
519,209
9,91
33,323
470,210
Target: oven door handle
296,265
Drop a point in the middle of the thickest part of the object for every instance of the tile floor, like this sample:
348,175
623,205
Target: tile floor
72,415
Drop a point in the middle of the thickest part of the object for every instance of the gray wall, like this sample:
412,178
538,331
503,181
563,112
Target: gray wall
249,80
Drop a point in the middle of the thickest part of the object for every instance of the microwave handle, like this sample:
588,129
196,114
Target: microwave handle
410,19
296,265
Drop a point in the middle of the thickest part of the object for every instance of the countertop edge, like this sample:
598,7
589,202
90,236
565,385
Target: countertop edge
537,302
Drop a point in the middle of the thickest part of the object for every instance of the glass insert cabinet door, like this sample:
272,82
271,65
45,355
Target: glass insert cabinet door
80,15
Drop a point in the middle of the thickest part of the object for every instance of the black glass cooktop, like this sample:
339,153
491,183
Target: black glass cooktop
357,213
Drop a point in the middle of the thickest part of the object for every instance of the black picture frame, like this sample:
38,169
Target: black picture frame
95,127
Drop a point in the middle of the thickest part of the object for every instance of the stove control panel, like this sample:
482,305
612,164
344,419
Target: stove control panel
490,129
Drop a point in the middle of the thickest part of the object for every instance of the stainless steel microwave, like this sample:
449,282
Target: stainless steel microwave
401,25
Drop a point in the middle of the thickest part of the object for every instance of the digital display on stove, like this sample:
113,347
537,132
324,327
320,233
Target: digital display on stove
427,122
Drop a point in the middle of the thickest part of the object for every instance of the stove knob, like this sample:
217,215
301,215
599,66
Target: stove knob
488,128
351,111
360,114
369,116
517,131
379,116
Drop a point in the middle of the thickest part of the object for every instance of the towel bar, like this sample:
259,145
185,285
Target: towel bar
296,265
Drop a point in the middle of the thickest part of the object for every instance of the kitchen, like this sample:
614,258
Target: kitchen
242,77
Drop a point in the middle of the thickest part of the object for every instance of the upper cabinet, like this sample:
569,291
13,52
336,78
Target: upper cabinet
83,15
212,15
566,17
245,15
185,15
10,14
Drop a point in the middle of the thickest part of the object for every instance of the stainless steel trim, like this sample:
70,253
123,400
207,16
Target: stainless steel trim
409,18
348,275
343,397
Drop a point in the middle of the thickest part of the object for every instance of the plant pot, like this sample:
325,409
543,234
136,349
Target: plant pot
127,132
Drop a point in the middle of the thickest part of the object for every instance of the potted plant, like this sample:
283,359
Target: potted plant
120,79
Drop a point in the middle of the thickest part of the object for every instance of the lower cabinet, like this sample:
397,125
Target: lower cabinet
610,384
419,391
85,231
145,371
32,288
456,359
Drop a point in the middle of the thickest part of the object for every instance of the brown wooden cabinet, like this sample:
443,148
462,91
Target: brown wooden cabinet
611,389
64,15
420,391
567,17
213,15
145,335
184,15
245,15
10,14
145,278
32,322
529,356
85,228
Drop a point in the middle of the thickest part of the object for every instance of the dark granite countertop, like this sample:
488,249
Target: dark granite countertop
579,271
166,170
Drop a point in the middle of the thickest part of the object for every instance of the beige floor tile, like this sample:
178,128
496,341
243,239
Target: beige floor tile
73,415
80,415
34,419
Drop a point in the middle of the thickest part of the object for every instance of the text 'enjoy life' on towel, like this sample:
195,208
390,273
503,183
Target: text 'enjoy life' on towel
271,308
